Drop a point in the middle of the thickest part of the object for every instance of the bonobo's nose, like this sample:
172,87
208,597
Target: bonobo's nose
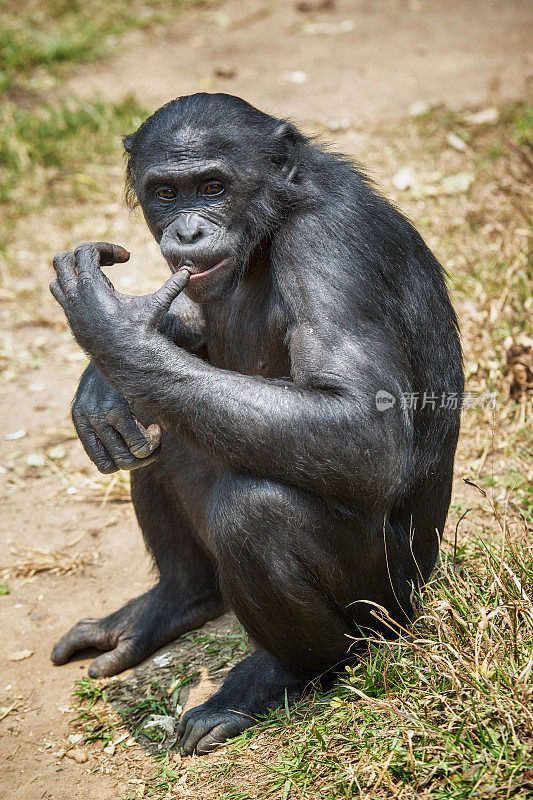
189,228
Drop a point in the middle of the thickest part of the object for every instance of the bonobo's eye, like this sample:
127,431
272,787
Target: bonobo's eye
212,188
165,193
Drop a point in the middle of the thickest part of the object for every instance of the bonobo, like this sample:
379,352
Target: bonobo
287,403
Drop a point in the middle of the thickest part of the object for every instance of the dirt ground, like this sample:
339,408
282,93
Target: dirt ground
369,61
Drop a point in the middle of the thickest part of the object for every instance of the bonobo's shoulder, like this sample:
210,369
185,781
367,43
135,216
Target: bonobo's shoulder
340,190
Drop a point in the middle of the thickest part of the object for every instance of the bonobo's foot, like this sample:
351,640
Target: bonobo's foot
136,630
254,686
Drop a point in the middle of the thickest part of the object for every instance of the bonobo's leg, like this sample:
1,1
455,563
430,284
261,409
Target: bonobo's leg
288,566
187,593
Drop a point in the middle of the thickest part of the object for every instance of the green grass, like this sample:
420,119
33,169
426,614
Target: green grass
96,726
47,34
57,154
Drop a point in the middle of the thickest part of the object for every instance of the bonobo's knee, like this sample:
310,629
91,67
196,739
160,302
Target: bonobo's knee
246,511
275,572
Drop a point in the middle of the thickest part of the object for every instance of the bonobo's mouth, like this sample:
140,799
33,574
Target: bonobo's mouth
197,273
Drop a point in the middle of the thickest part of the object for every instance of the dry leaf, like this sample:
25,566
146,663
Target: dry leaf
78,755
20,655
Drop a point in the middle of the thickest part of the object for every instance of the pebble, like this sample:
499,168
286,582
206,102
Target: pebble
11,437
404,178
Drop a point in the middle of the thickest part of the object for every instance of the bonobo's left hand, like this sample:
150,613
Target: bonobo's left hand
100,317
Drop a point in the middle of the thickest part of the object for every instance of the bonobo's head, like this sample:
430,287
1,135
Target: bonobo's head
215,178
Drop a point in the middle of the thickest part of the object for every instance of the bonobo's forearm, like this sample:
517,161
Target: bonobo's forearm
275,429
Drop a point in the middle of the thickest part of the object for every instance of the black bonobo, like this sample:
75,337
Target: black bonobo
288,403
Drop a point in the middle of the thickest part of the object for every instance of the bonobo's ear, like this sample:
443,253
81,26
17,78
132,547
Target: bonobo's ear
286,137
285,131
127,141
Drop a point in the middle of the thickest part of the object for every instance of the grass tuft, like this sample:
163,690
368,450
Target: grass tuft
444,712
43,152
37,34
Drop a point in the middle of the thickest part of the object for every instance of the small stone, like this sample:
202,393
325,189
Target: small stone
404,178
419,108
456,142
327,28
297,76
57,453
35,460
456,184
339,124
488,116
11,437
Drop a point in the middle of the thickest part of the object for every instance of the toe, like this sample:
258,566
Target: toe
201,733
87,633
216,736
112,663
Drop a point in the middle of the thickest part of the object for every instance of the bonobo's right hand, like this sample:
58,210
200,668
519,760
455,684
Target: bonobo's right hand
108,431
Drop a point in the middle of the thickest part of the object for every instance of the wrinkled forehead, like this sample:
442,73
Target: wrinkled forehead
179,145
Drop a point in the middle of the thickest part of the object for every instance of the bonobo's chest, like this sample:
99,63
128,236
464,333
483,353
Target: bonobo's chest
246,333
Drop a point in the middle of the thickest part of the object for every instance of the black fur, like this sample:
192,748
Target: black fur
279,489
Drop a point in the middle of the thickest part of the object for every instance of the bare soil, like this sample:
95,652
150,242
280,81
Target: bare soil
394,53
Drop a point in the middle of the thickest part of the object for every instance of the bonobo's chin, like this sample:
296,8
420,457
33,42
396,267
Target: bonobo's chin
209,283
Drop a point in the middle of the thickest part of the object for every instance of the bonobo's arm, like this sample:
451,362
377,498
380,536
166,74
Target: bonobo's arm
322,433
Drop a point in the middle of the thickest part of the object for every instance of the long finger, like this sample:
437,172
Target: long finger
93,446
105,253
141,441
117,660
91,279
65,267
117,448
86,633
111,254
161,300
57,293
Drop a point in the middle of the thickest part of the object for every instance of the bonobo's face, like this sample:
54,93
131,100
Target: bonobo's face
206,188
187,203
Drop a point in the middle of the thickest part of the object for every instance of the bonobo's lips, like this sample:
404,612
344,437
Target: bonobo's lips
197,273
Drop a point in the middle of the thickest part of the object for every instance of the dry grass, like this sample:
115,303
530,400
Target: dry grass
32,560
